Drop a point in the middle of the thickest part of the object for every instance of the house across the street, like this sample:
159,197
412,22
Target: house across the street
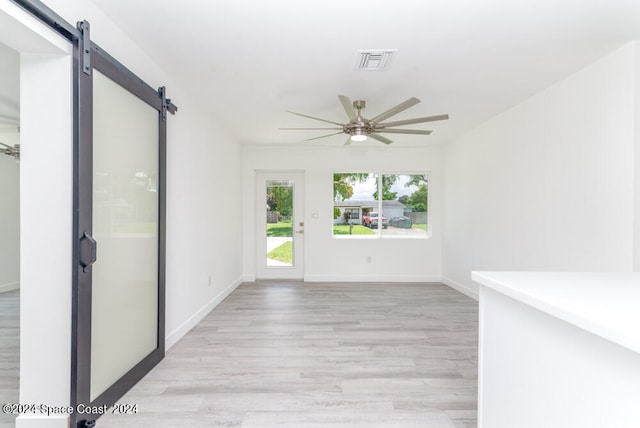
357,209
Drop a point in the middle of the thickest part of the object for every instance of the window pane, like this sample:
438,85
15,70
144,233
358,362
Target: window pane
404,205
280,223
354,197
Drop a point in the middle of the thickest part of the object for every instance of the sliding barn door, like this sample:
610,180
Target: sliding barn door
119,292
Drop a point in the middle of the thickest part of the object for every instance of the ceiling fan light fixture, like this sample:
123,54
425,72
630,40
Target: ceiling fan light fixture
358,135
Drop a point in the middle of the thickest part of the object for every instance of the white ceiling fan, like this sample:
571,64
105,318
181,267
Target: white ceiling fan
359,128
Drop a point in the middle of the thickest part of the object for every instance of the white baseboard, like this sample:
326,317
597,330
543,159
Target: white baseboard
173,337
464,289
372,278
9,287
28,420
249,278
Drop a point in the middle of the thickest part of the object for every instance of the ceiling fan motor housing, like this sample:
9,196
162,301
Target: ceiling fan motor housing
360,125
359,105
358,128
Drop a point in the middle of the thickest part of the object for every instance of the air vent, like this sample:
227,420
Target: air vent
374,60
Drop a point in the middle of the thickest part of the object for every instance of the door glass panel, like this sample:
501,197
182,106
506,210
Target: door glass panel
279,250
125,225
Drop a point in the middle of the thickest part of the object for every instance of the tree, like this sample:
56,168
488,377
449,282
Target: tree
336,212
387,182
417,180
280,198
343,184
418,199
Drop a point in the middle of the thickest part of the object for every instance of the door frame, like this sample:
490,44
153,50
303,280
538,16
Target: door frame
277,272
45,202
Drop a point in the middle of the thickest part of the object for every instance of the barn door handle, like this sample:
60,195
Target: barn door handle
88,251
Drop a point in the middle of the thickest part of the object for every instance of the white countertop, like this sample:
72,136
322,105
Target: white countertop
605,304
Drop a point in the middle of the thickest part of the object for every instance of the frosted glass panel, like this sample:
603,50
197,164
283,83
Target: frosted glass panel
125,225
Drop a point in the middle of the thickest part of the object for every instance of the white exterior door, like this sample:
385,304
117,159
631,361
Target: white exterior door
280,225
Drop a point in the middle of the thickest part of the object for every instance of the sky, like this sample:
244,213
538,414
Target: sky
364,191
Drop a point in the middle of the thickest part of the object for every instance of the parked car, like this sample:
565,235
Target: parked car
370,219
401,222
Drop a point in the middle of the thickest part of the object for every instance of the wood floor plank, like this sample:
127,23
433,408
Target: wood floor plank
304,355
9,352
293,354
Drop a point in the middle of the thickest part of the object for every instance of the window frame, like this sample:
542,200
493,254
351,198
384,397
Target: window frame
379,234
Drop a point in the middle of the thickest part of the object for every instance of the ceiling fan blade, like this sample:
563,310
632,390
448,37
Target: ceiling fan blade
315,118
381,138
307,129
397,109
322,136
404,131
348,141
416,120
348,107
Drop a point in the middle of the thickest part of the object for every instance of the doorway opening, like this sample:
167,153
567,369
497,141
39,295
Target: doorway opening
9,228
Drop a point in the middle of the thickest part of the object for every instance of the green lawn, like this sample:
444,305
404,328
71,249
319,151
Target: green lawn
357,230
420,226
283,253
280,229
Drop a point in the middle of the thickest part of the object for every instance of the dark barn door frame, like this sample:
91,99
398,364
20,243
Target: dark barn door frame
88,56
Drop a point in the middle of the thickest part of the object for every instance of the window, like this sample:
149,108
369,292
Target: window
380,205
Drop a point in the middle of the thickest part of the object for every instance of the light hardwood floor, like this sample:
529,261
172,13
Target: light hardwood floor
9,352
307,355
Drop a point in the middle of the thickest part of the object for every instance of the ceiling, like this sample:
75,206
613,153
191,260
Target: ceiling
251,60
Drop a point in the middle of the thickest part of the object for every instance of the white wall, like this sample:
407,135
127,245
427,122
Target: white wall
548,184
636,215
45,234
330,259
9,211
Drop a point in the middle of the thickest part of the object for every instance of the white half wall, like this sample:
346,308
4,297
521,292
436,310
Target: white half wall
332,259
549,184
